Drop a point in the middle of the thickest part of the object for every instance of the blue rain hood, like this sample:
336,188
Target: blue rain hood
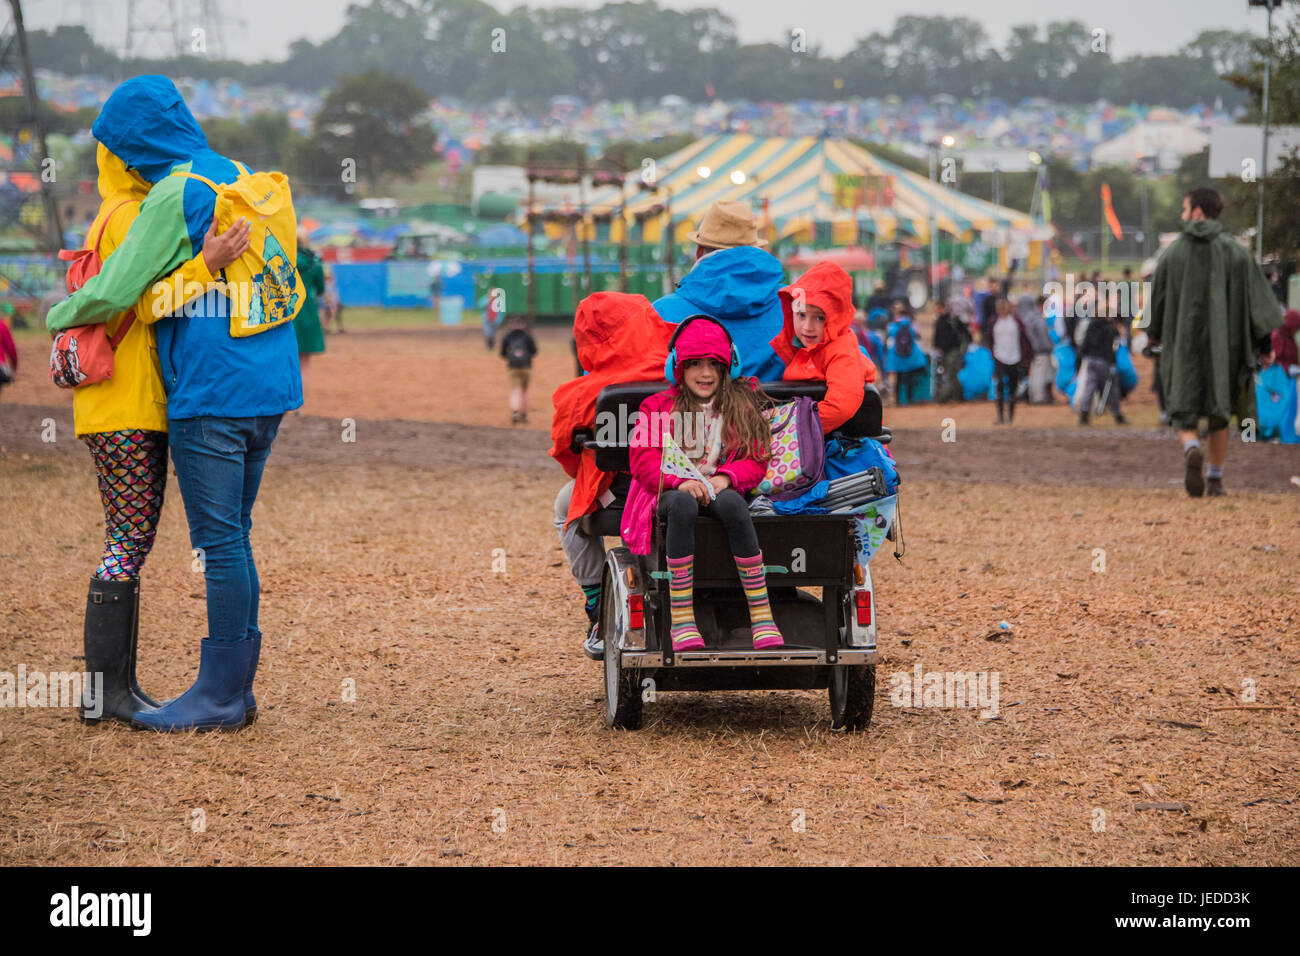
146,124
738,287
738,283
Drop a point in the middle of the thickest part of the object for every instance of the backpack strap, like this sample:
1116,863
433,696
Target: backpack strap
215,187
203,179
130,316
104,224
124,328
92,244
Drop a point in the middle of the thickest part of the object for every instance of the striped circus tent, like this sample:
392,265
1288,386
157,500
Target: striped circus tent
805,188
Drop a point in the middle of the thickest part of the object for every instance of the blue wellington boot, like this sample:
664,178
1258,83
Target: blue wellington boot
250,703
216,699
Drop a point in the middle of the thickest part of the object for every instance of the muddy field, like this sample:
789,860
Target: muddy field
476,732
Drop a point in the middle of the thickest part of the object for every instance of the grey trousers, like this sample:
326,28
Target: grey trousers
586,554
1097,373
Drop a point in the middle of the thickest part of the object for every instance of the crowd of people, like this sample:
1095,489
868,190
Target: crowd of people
1009,343
997,344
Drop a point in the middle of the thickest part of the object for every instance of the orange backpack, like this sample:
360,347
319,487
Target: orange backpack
84,355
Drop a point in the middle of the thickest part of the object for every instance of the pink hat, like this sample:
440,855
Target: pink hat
702,338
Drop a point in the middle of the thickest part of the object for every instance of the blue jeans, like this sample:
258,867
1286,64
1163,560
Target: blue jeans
219,464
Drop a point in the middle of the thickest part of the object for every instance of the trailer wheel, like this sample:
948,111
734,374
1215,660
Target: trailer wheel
853,695
622,685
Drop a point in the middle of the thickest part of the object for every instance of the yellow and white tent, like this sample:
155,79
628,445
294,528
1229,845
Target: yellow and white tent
795,186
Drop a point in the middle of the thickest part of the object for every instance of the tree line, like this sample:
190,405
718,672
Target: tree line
641,51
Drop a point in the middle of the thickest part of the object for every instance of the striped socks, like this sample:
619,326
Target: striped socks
591,602
761,623
681,590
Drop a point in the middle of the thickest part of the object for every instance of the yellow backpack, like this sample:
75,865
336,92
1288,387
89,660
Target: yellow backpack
263,285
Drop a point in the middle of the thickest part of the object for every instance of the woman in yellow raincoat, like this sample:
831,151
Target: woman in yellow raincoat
124,422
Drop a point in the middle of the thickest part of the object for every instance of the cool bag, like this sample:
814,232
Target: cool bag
84,355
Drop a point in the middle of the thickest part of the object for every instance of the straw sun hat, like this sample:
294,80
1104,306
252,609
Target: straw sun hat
727,224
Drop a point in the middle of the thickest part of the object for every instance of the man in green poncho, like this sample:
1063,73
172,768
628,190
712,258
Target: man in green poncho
1211,311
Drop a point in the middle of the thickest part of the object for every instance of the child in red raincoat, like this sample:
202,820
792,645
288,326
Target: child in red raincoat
620,338
818,342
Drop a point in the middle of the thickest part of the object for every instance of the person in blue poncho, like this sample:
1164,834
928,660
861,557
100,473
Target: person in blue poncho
735,281
905,358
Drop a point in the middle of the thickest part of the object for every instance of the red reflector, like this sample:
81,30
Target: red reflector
636,611
863,601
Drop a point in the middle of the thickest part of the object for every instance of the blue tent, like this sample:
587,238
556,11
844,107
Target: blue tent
501,234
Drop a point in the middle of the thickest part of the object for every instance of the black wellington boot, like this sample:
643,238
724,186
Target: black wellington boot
109,641
135,642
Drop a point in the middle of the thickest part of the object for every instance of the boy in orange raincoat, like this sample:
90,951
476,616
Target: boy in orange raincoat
817,341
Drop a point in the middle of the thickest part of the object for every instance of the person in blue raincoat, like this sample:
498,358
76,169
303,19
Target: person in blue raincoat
735,281
905,358
976,375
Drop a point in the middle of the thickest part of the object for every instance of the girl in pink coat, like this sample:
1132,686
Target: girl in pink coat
717,420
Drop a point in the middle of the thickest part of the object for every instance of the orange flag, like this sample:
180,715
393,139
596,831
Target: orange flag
1111,219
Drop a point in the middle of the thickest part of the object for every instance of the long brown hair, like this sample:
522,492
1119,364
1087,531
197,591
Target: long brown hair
740,402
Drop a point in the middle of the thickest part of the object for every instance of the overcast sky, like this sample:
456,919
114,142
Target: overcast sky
1134,26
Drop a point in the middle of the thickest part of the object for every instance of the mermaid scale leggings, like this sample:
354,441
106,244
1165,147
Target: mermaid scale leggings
132,470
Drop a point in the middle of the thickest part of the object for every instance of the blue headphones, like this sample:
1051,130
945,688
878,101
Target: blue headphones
672,346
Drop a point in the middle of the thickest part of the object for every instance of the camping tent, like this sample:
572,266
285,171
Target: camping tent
1166,143
800,187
